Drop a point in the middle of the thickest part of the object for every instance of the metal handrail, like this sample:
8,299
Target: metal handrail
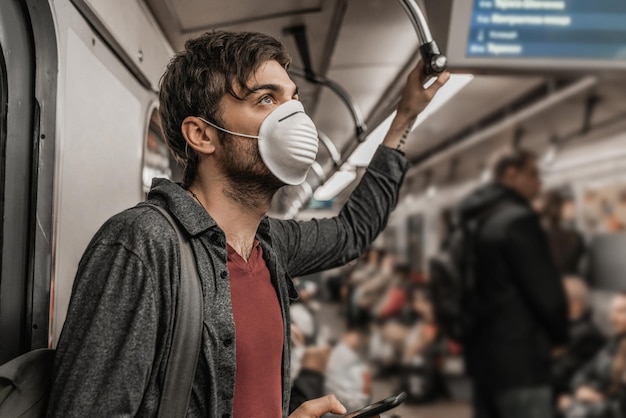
434,61
328,143
359,123
417,18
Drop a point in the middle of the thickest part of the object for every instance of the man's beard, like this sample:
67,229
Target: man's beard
249,181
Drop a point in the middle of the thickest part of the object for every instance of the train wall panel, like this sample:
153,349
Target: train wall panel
101,123
136,32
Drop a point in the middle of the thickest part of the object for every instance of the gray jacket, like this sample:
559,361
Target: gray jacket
111,354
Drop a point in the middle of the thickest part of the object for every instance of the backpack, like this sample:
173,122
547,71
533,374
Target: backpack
453,281
25,384
26,381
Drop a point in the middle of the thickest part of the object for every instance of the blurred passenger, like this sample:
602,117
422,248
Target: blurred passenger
391,324
423,334
367,267
366,270
566,243
348,375
522,312
308,370
395,301
409,345
398,340
422,356
446,225
303,310
336,279
585,338
599,389
368,294
231,116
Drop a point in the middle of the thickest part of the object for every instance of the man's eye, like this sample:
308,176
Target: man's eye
266,100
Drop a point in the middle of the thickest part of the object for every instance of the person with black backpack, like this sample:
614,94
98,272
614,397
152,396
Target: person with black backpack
497,291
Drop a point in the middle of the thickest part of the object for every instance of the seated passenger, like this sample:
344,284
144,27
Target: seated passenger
368,295
422,355
303,310
394,304
585,337
367,268
348,375
424,333
391,320
335,280
599,388
411,349
309,380
394,318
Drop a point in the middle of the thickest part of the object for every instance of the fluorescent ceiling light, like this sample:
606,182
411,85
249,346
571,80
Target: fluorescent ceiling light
335,184
454,85
362,156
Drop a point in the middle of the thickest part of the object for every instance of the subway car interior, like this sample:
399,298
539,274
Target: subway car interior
81,140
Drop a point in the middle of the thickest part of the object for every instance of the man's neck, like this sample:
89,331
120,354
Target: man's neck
238,218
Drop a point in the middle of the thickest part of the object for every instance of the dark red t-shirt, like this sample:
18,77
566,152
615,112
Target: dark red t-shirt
258,337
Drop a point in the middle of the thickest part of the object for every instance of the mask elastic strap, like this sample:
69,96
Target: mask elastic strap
226,130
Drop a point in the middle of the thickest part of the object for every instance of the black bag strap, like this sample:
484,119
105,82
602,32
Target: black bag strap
187,336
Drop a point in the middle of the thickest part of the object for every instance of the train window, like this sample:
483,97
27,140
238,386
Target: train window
157,160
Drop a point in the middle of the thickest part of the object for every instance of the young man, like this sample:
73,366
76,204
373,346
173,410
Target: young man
231,114
523,310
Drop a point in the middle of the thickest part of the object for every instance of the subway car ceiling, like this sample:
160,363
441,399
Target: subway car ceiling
367,47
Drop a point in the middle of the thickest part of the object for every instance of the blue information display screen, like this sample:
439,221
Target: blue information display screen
578,29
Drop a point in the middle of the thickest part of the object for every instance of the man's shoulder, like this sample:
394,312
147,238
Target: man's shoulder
511,213
509,217
492,202
516,210
135,228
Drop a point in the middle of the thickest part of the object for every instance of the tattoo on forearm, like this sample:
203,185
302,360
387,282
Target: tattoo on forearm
405,135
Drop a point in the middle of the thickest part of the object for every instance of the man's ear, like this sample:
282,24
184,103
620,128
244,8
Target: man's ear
200,136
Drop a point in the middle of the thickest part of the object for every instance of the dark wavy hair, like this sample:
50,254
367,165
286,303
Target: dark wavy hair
516,158
195,80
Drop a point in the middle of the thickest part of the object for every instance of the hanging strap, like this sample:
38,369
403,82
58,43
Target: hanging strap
187,335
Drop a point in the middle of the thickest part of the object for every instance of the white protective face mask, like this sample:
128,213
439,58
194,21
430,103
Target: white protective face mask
287,142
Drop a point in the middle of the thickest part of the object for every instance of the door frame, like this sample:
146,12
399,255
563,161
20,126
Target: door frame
28,48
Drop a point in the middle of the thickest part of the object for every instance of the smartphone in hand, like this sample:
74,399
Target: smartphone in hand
376,408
